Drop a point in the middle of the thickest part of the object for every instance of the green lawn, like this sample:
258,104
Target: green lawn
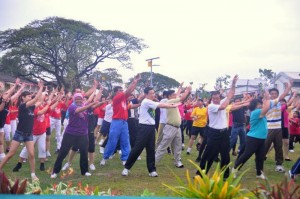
109,176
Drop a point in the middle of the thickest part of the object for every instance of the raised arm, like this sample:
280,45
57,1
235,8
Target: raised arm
81,109
18,93
288,87
230,94
92,90
186,93
37,96
132,86
291,100
10,91
179,89
266,104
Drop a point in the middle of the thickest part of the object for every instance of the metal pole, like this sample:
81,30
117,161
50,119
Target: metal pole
151,84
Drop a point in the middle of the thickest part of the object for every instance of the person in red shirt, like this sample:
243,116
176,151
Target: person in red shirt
101,113
294,130
119,126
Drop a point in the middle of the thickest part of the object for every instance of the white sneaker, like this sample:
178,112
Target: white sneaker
92,167
48,154
292,151
120,152
234,171
279,168
66,166
101,149
179,164
139,158
34,178
101,142
102,162
53,175
87,174
125,172
111,157
123,163
153,174
261,176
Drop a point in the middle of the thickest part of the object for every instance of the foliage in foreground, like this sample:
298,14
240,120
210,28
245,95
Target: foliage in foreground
210,187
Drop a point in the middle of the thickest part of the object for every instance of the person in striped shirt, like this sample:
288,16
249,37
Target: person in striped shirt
274,125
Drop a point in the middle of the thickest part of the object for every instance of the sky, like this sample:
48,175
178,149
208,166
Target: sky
196,40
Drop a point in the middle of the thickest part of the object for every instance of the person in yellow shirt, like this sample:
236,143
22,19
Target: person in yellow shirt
199,116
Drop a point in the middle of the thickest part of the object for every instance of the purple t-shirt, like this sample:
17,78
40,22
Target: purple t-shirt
78,122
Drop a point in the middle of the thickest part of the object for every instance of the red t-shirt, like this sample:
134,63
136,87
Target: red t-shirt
120,106
56,112
7,120
63,106
294,126
101,111
13,111
39,122
188,111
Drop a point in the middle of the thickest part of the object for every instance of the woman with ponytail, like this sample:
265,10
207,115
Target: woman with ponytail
23,133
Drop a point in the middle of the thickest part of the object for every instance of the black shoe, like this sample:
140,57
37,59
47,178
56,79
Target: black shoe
17,167
188,153
7,150
217,159
42,167
287,159
56,151
198,160
198,145
169,150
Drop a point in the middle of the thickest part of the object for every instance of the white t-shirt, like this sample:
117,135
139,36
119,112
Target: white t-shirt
147,112
217,118
108,113
163,113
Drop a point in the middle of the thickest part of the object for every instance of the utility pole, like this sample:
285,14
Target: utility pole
150,65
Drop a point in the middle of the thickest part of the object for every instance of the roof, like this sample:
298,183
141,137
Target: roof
10,79
249,82
288,75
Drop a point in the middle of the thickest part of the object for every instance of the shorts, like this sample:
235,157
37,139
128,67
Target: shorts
285,133
105,128
198,130
91,148
48,131
100,121
22,137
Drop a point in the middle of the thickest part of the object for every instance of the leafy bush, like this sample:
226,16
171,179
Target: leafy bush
68,189
6,188
211,187
284,190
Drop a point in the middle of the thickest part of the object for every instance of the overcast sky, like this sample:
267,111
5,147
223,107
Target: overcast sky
196,40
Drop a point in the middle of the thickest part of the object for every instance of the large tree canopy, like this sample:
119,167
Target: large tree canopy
63,50
159,81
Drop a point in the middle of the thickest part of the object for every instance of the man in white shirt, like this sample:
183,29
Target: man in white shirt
146,133
218,134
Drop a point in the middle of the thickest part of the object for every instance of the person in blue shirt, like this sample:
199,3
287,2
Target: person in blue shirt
255,140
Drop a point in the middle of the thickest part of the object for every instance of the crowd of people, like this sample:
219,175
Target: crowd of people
126,123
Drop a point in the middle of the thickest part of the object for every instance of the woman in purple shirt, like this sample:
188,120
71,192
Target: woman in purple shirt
76,135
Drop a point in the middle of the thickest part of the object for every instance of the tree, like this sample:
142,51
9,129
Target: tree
222,82
159,81
63,50
109,77
267,75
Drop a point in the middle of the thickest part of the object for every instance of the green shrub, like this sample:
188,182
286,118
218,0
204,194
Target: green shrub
210,187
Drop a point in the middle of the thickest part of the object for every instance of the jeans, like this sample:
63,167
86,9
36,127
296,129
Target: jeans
237,130
118,131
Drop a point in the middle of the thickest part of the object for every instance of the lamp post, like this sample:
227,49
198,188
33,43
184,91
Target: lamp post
150,65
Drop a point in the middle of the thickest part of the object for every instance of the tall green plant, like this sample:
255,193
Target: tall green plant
210,187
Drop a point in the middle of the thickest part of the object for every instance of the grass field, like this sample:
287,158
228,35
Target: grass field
109,176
